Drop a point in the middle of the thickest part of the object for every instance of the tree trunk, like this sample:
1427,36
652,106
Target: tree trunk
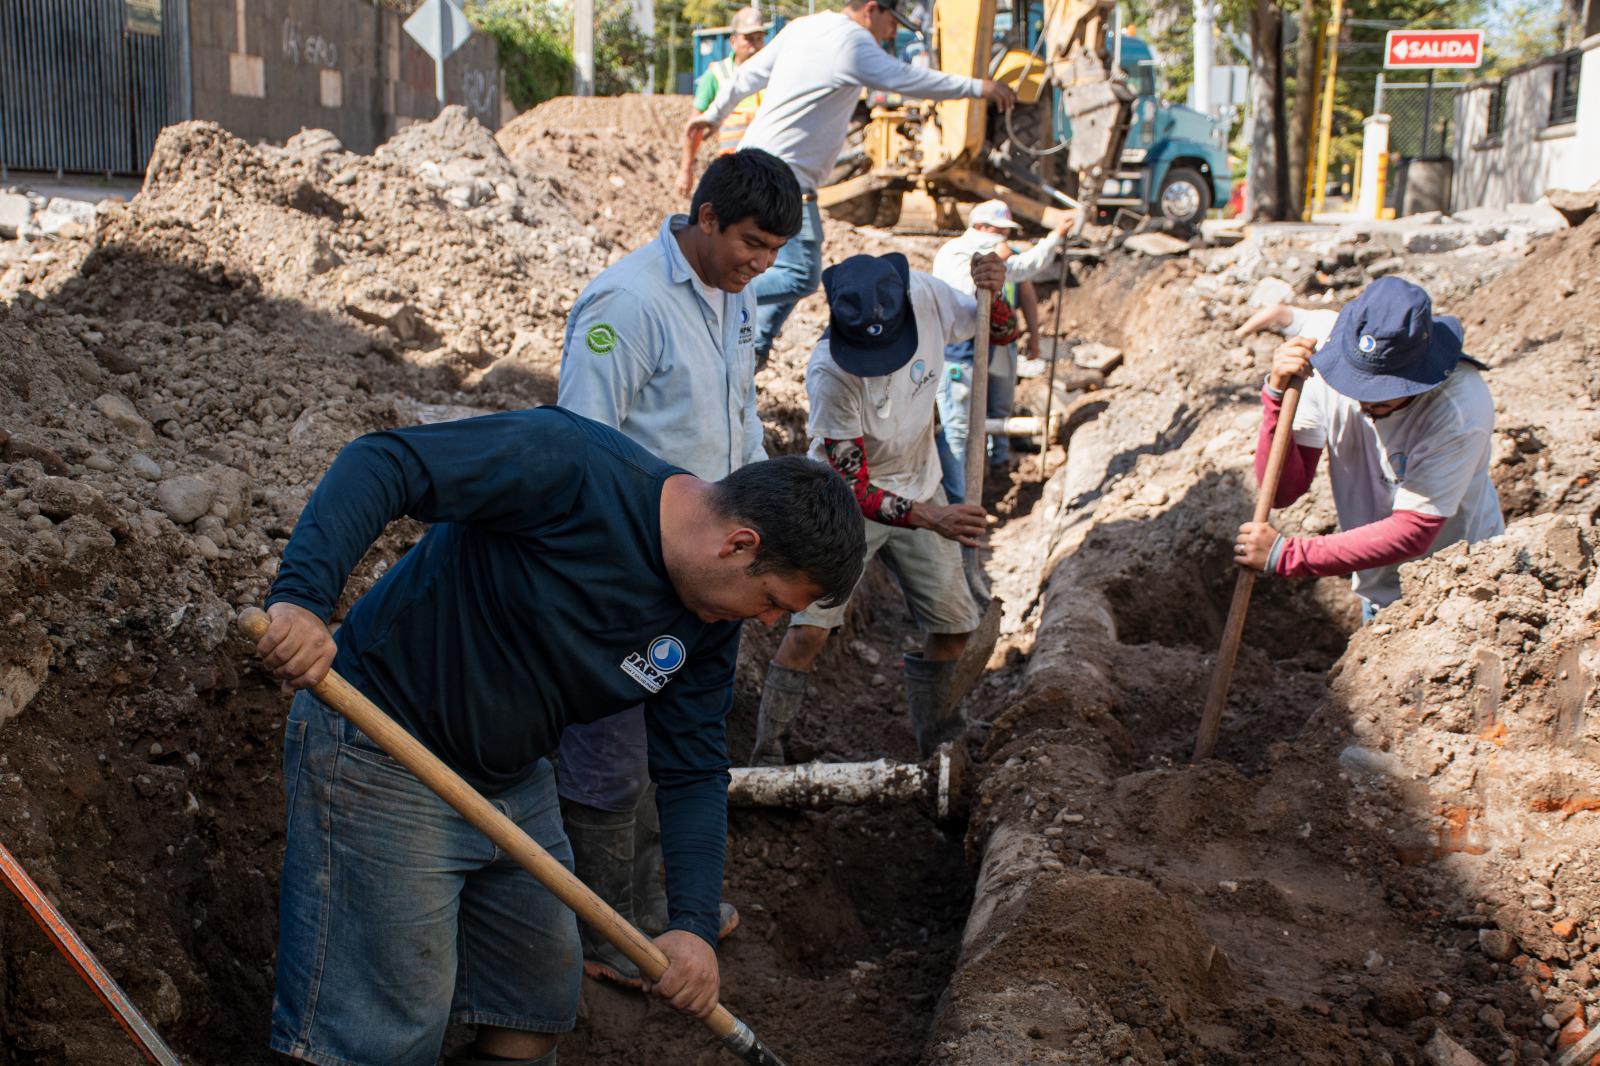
1305,96
1268,165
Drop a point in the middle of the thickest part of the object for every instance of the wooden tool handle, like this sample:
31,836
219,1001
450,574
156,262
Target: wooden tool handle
978,402
405,749
1217,697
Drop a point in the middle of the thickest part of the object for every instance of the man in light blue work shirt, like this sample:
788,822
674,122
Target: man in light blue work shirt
662,347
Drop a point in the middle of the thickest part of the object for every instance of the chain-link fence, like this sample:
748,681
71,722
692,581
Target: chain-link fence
1419,129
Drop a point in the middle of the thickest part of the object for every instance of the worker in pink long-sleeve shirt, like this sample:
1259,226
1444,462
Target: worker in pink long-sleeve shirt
1407,422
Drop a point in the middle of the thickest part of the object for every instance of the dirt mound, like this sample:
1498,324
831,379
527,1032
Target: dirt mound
613,160
1478,697
177,379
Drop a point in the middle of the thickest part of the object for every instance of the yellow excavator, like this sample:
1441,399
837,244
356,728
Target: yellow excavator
908,162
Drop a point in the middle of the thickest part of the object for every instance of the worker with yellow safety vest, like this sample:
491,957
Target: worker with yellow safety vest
748,35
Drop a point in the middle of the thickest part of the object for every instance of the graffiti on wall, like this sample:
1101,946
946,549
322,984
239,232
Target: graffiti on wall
315,50
478,88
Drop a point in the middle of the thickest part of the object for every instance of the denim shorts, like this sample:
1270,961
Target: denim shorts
396,917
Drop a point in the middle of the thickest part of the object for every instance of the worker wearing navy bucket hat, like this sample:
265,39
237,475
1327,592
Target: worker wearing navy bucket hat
1408,423
871,383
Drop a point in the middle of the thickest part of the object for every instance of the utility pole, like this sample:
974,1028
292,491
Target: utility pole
583,48
1204,22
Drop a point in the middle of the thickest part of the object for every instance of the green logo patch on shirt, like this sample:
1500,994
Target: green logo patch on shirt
601,339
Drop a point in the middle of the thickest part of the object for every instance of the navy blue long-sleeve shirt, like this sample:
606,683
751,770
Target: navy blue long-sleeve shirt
539,598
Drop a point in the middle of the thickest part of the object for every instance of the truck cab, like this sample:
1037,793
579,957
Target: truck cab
1174,162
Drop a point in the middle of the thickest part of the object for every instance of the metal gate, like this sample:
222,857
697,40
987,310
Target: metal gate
87,85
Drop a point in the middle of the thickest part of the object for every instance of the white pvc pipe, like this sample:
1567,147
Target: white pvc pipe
833,784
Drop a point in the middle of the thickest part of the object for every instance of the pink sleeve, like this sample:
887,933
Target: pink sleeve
1299,466
1403,535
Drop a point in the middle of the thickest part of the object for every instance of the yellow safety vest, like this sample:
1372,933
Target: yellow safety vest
744,113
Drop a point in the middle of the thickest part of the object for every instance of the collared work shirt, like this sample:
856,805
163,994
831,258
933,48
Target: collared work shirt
646,354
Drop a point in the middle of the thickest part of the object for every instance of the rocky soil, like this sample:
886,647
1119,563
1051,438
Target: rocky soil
1399,851
1389,860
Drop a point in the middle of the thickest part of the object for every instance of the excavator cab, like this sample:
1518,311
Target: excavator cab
907,163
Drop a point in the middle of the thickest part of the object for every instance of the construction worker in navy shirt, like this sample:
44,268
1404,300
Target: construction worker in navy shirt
569,575
661,346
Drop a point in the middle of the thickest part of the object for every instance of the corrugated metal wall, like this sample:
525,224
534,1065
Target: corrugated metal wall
87,85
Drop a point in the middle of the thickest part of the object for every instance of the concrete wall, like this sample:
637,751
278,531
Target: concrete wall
264,69
1529,156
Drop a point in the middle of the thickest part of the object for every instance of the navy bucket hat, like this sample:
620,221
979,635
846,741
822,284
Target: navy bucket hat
871,328
1388,345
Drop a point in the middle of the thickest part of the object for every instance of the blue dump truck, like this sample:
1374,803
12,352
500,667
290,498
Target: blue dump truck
1174,162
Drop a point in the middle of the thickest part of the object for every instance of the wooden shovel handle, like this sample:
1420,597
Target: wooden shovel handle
405,749
978,402
1233,631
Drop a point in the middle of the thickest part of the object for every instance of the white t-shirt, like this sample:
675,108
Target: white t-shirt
1431,456
893,413
713,296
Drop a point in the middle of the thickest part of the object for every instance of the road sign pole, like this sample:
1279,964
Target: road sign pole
1427,113
438,63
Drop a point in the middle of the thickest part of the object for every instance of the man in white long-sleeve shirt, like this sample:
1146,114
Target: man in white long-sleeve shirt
812,75
987,228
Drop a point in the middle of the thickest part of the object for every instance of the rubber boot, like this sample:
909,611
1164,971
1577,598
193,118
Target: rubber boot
933,719
781,697
602,857
649,893
470,1056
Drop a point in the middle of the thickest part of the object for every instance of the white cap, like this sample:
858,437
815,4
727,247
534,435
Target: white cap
992,213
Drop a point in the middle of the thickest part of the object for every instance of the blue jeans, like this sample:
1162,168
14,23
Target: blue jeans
955,388
792,277
605,764
1369,610
396,917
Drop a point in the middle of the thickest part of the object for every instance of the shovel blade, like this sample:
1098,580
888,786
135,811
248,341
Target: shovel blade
980,645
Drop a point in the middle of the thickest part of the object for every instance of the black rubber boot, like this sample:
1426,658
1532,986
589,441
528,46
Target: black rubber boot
933,720
781,697
649,893
470,1056
602,857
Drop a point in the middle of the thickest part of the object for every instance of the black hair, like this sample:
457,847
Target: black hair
808,520
750,183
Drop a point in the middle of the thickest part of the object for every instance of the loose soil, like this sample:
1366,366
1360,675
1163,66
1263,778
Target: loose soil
1333,890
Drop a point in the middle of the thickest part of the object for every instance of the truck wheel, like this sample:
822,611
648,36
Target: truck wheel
1185,196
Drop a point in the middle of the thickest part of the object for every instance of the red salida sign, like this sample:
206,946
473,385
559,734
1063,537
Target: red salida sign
1433,48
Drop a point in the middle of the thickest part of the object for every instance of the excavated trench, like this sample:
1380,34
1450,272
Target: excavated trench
1326,892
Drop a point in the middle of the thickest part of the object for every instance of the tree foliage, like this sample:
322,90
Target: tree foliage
535,39
535,47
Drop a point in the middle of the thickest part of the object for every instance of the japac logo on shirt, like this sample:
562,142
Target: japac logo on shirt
920,375
1397,463
656,666
747,331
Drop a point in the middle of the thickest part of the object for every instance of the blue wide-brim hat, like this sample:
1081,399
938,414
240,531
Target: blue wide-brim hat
1387,344
871,328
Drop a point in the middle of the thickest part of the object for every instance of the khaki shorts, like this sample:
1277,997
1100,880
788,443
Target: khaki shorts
928,568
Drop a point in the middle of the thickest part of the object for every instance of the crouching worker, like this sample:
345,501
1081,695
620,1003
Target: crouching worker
570,575
871,383
1407,422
